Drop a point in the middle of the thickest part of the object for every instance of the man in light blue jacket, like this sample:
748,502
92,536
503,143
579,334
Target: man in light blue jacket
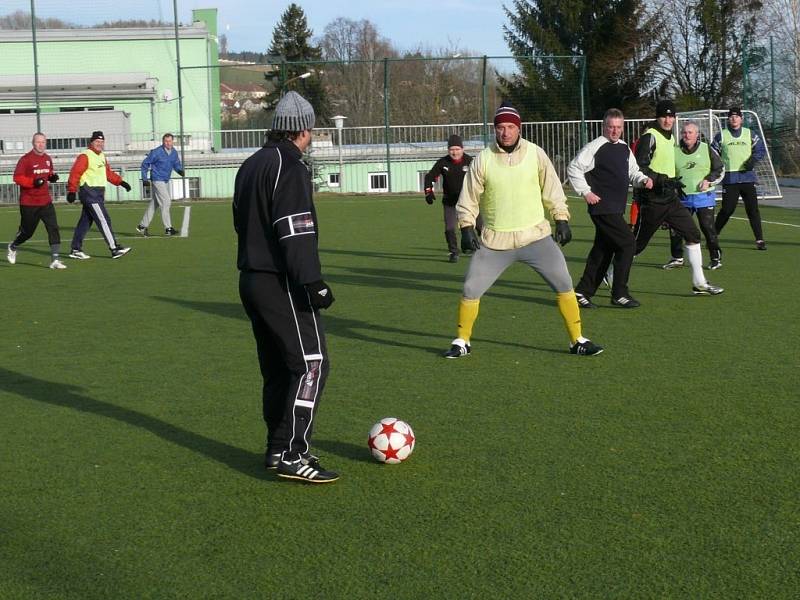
157,168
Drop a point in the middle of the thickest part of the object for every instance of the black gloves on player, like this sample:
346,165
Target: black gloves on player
146,183
53,177
319,294
125,186
38,182
180,172
563,233
70,197
429,197
469,240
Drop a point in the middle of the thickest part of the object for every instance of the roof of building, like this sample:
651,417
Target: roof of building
196,30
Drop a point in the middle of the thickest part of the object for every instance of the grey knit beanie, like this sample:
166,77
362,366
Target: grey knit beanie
293,113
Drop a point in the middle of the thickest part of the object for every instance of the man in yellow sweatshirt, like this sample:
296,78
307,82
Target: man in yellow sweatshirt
511,183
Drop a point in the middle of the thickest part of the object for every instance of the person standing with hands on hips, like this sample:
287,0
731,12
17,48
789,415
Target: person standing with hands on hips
511,183
157,167
452,169
33,174
281,288
740,149
87,181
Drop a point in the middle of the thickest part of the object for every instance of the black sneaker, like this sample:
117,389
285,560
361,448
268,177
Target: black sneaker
584,302
170,231
306,469
271,459
453,257
587,348
119,252
143,230
761,245
715,264
458,349
626,302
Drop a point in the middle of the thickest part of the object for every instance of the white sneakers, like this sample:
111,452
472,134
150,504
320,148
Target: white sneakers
79,254
57,264
11,255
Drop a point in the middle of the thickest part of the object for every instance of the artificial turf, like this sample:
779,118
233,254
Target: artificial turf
132,442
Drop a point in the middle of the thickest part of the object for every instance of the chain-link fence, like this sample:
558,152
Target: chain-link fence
772,90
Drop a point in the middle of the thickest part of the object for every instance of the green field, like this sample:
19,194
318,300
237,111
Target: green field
132,444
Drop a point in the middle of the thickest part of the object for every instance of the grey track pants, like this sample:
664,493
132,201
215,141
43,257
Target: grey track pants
161,196
543,256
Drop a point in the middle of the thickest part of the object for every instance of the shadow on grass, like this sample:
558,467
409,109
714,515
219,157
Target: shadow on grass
351,328
71,396
344,449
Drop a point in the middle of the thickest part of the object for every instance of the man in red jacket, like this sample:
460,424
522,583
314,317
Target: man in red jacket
33,175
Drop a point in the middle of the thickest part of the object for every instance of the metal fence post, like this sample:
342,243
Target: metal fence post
386,123
180,95
35,68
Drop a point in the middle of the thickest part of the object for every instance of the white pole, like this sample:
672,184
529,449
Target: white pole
187,211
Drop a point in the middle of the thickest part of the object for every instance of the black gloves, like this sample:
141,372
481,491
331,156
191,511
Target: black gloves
53,177
180,172
145,183
38,182
125,186
319,294
673,185
563,233
429,197
747,165
469,240
70,197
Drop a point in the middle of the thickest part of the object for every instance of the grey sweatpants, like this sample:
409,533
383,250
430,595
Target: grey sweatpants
543,256
161,196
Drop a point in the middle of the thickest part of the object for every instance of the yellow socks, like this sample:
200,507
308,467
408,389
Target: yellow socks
568,307
468,312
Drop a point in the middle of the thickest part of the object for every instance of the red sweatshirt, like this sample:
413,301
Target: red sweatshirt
31,167
79,168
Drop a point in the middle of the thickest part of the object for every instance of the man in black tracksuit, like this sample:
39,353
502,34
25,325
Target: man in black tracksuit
281,287
452,169
655,155
600,173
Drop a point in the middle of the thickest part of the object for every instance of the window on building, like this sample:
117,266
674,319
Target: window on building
333,179
378,182
17,111
83,108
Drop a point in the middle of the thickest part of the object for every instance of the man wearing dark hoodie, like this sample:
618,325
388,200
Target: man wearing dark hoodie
452,169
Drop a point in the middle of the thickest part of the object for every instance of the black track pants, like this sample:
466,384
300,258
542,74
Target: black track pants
292,354
730,198
613,240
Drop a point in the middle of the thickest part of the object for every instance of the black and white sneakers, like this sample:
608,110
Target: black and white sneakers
585,348
674,263
626,302
583,301
458,349
706,289
305,469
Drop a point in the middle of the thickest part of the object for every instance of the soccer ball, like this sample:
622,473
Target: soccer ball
391,441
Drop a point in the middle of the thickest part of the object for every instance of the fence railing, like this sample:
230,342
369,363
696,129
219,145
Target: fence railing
347,160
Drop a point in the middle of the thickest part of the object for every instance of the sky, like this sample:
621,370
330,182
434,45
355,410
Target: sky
473,25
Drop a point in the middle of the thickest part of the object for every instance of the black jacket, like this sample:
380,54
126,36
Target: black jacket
452,177
274,216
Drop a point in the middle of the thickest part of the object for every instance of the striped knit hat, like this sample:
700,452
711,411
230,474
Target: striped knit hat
507,114
293,113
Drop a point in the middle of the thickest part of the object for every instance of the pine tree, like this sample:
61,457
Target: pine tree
612,38
291,41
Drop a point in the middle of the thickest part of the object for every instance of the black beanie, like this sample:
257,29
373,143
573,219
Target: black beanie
97,135
455,140
665,108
